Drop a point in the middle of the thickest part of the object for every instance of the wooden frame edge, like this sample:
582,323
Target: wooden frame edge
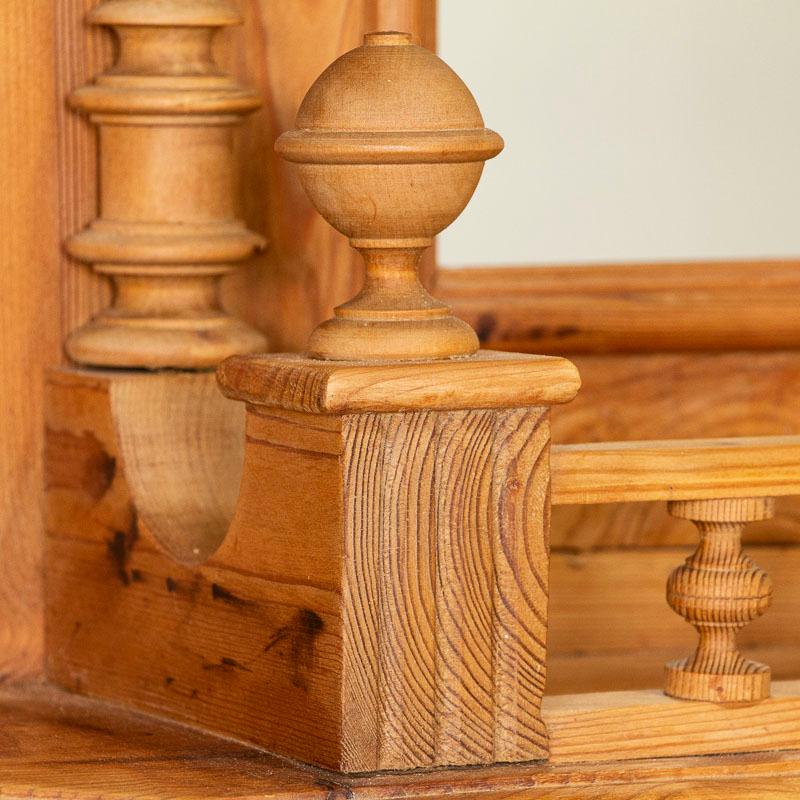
628,308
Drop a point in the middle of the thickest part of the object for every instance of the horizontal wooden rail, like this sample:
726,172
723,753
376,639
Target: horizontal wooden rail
625,308
691,469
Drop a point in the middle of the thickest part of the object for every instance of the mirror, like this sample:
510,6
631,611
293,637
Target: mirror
636,130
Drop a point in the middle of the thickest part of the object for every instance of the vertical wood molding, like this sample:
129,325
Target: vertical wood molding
29,317
167,228
81,51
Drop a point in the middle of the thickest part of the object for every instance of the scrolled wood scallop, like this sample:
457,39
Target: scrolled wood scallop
167,229
389,145
719,590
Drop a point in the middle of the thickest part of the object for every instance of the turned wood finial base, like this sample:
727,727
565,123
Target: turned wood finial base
393,317
719,590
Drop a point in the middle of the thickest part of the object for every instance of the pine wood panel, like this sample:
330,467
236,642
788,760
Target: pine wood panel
648,724
29,320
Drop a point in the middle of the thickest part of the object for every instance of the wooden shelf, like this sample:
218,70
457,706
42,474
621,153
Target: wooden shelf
57,745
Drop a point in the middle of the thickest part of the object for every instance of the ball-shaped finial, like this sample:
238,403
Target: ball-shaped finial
390,146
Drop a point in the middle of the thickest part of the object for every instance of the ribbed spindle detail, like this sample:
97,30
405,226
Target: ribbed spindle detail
719,590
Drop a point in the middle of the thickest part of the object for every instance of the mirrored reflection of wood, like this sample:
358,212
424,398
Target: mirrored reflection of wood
167,229
719,590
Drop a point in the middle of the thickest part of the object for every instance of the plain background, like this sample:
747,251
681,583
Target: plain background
636,130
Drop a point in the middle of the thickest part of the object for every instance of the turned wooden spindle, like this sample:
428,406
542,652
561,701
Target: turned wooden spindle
167,229
719,590
390,146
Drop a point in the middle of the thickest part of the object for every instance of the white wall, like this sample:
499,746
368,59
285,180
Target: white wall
635,129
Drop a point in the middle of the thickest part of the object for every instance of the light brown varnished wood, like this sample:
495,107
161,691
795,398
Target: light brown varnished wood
719,590
29,320
489,380
167,228
629,308
80,748
687,469
389,145
379,597
627,725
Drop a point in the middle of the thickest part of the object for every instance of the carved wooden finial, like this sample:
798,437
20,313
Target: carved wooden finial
167,229
390,146
719,590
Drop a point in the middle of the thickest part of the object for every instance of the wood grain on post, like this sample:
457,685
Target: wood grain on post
167,229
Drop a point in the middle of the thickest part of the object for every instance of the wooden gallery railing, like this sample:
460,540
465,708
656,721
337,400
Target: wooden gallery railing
353,572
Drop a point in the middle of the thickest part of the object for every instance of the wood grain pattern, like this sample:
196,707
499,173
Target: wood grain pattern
68,746
246,644
488,380
442,612
648,724
629,308
29,320
684,469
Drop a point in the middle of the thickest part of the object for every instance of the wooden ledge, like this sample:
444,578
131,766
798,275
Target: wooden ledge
647,724
487,380
60,745
677,469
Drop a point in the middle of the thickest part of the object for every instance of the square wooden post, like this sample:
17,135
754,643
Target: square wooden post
441,532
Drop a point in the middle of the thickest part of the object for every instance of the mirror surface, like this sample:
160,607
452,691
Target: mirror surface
636,130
